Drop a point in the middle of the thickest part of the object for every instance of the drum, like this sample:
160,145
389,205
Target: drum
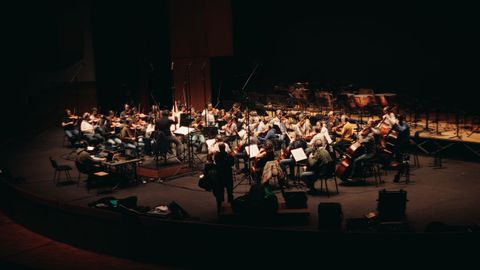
363,100
323,99
346,99
385,99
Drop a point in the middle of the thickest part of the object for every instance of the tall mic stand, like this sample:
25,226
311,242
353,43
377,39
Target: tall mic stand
248,174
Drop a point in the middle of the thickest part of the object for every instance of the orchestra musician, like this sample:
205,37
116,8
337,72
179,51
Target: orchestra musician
389,117
128,135
270,135
286,160
265,155
344,132
303,127
89,131
230,130
213,149
319,161
402,144
211,112
163,125
367,140
126,113
69,124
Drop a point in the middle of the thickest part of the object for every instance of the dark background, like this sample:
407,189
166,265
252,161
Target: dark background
427,53
423,51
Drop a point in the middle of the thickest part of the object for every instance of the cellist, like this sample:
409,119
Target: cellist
367,139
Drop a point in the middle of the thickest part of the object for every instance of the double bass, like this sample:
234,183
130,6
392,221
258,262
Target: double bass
353,151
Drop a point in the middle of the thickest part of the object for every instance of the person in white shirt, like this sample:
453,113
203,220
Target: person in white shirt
88,130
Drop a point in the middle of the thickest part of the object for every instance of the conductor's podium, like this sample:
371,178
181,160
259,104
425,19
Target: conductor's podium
284,216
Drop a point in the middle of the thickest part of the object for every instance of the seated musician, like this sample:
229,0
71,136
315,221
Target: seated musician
319,162
270,135
129,137
280,121
69,124
197,138
89,131
402,144
154,113
88,164
211,113
265,155
240,151
286,160
149,136
344,139
163,125
389,117
332,121
303,127
126,113
230,130
213,149
318,139
367,140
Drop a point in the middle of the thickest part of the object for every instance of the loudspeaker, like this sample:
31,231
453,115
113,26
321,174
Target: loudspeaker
391,205
330,217
295,199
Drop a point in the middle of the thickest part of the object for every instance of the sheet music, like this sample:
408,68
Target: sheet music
328,138
298,154
242,133
254,151
210,142
183,130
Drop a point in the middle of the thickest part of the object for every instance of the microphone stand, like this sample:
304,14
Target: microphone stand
247,120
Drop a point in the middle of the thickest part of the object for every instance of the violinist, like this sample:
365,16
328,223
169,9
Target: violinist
304,127
367,139
213,149
89,131
126,113
154,113
344,139
210,113
286,160
265,155
230,130
69,124
240,152
197,138
319,163
270,135
130,139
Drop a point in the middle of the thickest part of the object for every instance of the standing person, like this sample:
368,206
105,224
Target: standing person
163,125
403,141
224,179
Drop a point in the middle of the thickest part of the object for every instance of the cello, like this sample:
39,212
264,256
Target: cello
353,151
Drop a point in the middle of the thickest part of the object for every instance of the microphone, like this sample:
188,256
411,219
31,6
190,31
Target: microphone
171,65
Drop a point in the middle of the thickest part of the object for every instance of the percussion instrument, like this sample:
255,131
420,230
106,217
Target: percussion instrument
385,99
363,100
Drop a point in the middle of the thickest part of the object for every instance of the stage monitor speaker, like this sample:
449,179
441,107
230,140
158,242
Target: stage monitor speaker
391,205
330,217
295,199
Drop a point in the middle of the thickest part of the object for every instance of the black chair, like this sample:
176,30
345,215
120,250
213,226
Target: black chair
328,174
59,169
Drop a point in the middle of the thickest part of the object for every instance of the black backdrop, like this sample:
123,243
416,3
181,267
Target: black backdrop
425,52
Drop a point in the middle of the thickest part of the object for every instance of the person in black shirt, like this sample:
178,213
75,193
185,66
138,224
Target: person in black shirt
265,155
163,125
224,178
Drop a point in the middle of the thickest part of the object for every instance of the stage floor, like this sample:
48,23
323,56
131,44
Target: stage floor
448,195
